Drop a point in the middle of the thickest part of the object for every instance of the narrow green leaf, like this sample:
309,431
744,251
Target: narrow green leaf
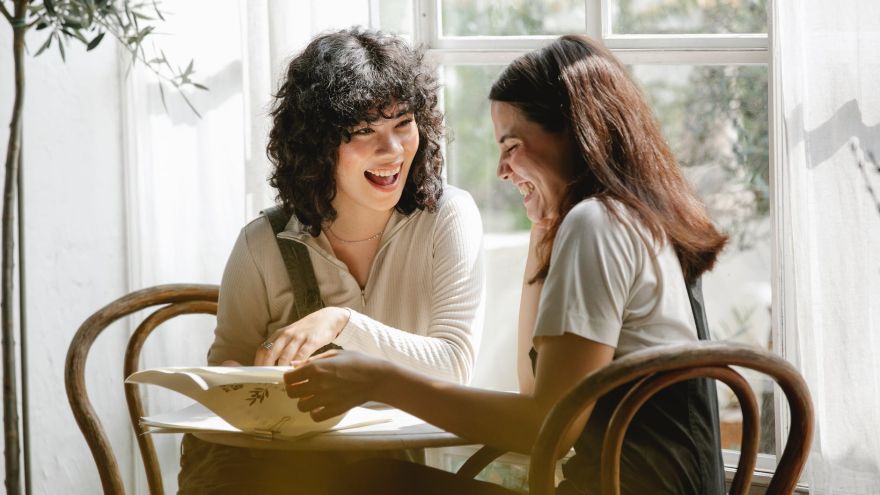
97,39
119,20
189,69
72,23
46,44
144,16
165,59
61,49
50,7
158,12
190,105
144,33
200,86
78,35
162,95
42,25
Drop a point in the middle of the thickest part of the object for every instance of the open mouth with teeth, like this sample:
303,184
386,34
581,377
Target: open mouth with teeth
525,188
383,177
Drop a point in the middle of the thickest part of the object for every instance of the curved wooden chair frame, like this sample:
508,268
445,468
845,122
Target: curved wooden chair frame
657,369
175,299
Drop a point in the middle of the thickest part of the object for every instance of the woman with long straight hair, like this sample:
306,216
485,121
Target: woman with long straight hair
619,242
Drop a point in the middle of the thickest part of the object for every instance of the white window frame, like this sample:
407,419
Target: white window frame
686,49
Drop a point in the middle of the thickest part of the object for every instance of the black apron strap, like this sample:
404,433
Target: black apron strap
698,308
306,295
706,394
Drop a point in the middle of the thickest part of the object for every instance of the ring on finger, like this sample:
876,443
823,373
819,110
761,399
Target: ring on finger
267,345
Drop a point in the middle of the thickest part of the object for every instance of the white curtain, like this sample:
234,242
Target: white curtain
192,183
828,56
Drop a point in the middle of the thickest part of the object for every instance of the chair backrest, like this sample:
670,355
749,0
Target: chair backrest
659,368
175,300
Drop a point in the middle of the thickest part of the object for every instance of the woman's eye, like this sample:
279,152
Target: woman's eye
510,150
405,122
363,131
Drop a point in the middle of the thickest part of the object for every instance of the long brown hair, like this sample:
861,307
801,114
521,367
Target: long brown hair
576,84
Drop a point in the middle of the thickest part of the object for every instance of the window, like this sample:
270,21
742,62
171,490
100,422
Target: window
704,66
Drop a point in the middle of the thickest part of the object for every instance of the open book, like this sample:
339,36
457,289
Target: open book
246,399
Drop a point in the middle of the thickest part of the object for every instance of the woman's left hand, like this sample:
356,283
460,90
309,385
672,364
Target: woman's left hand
331,383
300,339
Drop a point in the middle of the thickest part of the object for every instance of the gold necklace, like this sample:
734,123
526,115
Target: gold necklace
333,234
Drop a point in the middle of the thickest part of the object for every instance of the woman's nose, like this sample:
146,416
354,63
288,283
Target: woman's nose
503,171
389,143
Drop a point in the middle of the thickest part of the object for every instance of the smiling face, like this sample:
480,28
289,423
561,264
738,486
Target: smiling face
372,167
539,163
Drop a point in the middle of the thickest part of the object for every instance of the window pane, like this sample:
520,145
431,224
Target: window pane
472,157
473,154
511,17
688,16
394,16
715,118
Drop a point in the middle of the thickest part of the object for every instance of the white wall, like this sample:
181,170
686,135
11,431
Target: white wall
74,236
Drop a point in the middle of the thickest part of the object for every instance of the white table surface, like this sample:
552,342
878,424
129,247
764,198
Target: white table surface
402,432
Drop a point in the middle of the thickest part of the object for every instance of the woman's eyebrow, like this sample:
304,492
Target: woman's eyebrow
505,138
383,115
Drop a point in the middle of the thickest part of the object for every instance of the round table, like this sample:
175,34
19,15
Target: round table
403,431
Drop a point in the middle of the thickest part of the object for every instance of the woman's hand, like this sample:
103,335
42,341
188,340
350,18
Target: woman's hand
333,382
300,339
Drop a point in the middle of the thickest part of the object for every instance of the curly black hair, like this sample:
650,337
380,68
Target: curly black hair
339,80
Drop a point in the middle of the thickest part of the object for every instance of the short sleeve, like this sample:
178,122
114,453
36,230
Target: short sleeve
592,268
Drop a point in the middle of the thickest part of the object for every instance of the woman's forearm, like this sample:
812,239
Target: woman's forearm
450,357
505,420
528,313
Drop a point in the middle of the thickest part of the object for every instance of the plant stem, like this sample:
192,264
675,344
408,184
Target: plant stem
10,385
5,12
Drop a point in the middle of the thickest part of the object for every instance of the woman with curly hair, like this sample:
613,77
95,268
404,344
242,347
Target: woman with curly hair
355,144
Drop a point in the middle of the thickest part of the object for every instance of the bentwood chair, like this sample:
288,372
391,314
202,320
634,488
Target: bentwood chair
657,369
174,300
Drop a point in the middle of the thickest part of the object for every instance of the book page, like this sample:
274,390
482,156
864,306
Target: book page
250,398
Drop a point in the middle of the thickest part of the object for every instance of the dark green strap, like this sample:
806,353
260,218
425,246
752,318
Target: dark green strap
705,391
698,308
306,295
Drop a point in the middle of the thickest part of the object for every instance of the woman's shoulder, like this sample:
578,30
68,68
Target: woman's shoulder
456,216
454,203
257,235
593,215
454,197
601,222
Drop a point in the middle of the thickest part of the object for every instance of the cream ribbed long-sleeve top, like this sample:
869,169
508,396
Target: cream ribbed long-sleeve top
422,306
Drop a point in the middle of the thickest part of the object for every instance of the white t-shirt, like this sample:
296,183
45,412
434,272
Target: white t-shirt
611,283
